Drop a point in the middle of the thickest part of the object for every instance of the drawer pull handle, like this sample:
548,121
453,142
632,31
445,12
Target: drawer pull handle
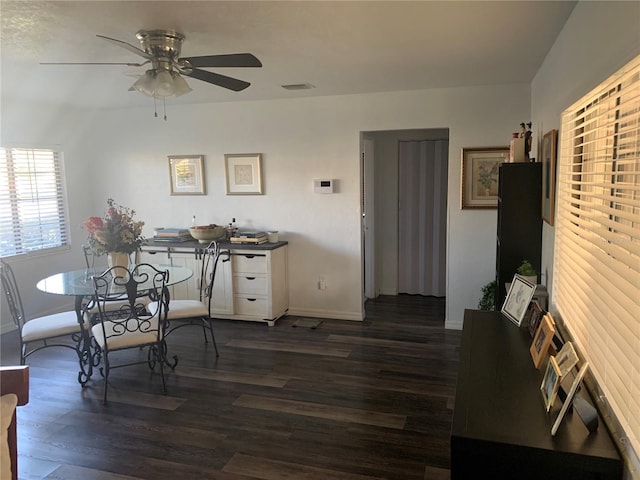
251,299
249,256
250,278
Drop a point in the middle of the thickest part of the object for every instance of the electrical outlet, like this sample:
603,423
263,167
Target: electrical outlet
321,283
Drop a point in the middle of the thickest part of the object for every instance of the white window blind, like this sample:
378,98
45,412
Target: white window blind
32,205
596,284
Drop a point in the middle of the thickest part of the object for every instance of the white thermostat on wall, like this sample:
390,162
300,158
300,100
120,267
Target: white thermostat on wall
323,186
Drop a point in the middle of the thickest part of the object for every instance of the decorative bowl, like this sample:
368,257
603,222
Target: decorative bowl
207,233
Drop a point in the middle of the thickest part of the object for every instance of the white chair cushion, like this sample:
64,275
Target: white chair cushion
128,339
58,324
8,403
182,309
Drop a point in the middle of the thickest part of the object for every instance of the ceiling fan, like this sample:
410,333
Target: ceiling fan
161,48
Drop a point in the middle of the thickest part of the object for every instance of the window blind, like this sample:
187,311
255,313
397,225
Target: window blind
32,205
596,285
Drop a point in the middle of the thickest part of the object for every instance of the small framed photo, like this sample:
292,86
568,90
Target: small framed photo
569,400
550,383
533,316
518,298
549,151
567,358
480,176
542,340
243,173
186,174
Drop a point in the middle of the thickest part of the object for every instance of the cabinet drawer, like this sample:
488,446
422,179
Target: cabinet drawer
250,284
250,305
249,263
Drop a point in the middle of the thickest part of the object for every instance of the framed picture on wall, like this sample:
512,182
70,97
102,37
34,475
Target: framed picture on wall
479,176
548,156
186,174
243,173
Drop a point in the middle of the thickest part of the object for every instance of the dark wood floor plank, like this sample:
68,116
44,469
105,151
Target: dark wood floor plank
277,470
329,412
347,400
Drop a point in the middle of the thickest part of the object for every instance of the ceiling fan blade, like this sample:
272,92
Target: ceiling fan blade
127,46
217,79
230,60
96,63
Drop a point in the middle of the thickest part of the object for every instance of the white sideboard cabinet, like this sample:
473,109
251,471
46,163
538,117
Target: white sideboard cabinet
252,285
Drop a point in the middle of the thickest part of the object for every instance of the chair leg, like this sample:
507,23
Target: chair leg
204,331
105,372
213,337
158,349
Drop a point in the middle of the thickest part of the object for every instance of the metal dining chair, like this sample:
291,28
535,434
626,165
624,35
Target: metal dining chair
45,331
133,327
182,313
94,266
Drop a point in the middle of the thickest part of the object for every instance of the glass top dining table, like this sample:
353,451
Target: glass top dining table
80,282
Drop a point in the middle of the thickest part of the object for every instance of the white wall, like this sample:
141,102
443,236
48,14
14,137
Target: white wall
123,154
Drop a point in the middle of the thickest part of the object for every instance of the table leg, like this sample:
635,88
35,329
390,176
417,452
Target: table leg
83,345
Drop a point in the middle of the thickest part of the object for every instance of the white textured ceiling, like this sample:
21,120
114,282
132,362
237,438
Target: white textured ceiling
339,47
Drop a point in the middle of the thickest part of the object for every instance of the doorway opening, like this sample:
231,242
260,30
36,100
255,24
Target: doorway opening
404,177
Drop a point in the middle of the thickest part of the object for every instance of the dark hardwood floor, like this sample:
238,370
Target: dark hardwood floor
345,400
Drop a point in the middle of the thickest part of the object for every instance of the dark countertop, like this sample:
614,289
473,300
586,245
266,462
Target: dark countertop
224,245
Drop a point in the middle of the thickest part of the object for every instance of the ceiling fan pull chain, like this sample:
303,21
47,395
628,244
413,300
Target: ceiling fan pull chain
164,107
155,108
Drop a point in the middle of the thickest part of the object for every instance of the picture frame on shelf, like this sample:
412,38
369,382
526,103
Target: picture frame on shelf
550,383
567,358
243,173
518,299
548,158
186,174
480,166
533,316
569,399
542,340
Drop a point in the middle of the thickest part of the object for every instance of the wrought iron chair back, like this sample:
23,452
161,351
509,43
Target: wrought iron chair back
46,331
182,313
131,325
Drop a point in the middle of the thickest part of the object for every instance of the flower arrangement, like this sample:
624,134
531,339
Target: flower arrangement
117,231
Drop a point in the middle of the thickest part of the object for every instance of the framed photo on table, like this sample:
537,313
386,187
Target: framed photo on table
186,174
533,316
518,298
243,173
550,383
549,151
567,358
542,340
479,187
569,400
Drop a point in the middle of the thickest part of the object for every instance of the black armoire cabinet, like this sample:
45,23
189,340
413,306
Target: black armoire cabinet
519,222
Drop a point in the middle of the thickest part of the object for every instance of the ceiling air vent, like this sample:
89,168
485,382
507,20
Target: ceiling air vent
298,86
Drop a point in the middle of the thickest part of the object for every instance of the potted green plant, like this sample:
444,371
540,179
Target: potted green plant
527,271
488,298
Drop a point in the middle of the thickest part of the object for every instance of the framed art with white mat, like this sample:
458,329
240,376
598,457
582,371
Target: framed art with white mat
518,298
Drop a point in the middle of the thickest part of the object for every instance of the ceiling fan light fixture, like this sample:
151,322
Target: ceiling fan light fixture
180,85
164,84
146,84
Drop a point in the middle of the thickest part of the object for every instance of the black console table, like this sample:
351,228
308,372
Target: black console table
500,427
